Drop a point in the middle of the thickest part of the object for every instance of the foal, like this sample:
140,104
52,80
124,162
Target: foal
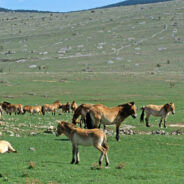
79,136
157,110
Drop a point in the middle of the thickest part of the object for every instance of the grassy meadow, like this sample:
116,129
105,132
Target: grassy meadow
109,56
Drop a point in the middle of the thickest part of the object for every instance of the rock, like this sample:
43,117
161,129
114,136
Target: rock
50,130
32,149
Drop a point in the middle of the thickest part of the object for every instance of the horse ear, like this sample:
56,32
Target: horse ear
132,103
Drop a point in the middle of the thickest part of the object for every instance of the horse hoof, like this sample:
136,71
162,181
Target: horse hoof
72,162
77,162
148,125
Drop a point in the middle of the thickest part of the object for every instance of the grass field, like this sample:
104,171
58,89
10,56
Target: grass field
111,56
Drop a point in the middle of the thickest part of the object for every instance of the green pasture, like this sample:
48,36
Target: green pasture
111,56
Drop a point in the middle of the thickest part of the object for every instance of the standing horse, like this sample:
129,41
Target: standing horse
66,107
157,110
79,136
51,107
8,108
33,109
73,106
108,116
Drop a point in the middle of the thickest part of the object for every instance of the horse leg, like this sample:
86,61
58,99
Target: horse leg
165,123
117,132
101,149
160,122
147,119
77,155
73,153
106,159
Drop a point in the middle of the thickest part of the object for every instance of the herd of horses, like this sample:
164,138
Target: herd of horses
92,116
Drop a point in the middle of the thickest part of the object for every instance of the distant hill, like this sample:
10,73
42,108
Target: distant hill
133,2
31,11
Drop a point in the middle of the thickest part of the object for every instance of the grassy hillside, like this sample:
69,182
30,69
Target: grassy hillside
108,56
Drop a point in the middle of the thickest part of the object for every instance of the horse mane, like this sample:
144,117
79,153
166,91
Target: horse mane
123,105
7,103
57,101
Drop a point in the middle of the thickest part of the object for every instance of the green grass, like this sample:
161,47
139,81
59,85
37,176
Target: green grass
79,46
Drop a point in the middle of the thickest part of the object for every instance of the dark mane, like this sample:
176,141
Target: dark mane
123,105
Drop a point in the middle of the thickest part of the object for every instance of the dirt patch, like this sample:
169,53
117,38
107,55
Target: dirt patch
179,125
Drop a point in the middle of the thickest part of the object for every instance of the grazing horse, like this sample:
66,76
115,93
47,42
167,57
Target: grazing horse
79,136
82,111
157,110
51,107
110,115
5,146
9,108
33,109
73,106
66,107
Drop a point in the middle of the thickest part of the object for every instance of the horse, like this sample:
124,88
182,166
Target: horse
5,146
85,137
82,111
66,107
73,106
33,109
10,108
157,110
51,107
110,115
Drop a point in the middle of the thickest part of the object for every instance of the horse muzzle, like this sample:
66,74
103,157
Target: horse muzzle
173,112
134,116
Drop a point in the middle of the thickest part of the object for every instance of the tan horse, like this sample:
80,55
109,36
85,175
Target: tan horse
157,110
5,146
82,111
33,109
66,107
110,115
51,107
79,136
73,106
10,108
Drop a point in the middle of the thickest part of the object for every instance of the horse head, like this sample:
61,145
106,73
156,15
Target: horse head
169,107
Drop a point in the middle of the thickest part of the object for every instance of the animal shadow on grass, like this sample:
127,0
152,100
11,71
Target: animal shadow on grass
61,139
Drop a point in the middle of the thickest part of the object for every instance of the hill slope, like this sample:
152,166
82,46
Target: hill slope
135,39
134,2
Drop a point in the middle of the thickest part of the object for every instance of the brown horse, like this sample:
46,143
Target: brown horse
73,106
51,107
82,111
66,107
5,146
157,110
10,108
33,109
79,136
110,115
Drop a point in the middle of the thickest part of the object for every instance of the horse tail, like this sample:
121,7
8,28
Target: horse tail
43,110
89,122
142,114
